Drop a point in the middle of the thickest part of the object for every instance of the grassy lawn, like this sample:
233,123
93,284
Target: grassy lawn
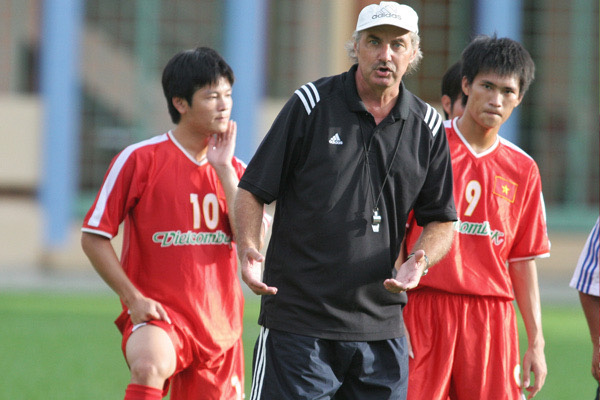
59,346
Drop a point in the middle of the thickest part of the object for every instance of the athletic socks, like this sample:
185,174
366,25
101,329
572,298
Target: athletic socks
141,392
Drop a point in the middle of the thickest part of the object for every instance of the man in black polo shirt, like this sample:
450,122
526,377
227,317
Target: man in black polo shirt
346,160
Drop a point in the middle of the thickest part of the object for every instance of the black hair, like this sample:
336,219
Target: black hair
452,83
190,70
503,56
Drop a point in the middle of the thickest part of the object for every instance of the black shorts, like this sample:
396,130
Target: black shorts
289,366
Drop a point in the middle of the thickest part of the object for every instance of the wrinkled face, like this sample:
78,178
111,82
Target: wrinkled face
492,98
384,53
210,109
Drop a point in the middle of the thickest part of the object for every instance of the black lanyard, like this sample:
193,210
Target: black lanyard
376,218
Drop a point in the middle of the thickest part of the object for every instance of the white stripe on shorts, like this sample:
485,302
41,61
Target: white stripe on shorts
258,375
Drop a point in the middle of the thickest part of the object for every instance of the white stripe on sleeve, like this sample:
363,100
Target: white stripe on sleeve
111,179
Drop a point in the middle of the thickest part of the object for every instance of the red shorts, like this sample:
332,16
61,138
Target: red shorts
465,347
221,377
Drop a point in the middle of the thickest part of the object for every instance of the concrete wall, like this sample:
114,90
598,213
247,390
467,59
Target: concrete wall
20,213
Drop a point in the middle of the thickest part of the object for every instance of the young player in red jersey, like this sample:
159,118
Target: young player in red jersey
461,319
177,276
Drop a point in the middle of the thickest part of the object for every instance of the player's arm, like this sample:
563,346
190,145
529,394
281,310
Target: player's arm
249,211
102,255
435,240
433,244
591,309
219,153
527,294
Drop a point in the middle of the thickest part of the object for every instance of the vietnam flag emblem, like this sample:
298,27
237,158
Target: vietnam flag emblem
505,188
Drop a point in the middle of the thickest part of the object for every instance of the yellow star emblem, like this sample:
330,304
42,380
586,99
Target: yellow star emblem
505,188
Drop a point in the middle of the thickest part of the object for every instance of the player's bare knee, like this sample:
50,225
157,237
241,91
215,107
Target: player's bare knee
150,355
149,372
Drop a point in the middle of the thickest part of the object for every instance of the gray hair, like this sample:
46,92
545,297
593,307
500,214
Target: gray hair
415,41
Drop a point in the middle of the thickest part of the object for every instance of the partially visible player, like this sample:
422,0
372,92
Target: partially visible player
461,318
177,277
452,94
585,280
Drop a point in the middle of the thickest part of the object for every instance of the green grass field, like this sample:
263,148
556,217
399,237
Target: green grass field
59,346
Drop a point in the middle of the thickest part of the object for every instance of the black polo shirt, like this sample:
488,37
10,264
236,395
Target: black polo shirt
325,163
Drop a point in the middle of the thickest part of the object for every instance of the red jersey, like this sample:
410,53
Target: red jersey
498,196
177,246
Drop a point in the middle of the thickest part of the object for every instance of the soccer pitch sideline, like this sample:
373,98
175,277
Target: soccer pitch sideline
65,346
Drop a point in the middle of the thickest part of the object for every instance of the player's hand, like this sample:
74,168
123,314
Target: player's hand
144,309
252,270
534,362
408,274
221,147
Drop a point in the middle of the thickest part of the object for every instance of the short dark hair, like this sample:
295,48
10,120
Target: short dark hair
452,83
190,70
503,56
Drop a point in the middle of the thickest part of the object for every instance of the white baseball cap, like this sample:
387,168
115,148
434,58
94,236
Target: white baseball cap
388,13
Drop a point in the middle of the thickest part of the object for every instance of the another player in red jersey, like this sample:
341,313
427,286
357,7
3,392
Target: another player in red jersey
177,276
461,319
452,95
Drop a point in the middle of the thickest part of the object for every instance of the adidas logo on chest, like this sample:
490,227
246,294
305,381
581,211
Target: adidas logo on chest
335,139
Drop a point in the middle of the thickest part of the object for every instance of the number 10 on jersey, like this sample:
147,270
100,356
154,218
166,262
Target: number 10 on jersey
209,211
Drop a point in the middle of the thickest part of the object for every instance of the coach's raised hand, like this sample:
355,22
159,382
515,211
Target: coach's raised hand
252,270
408,274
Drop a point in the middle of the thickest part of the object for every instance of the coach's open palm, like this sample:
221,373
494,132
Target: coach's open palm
408,274
252,270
